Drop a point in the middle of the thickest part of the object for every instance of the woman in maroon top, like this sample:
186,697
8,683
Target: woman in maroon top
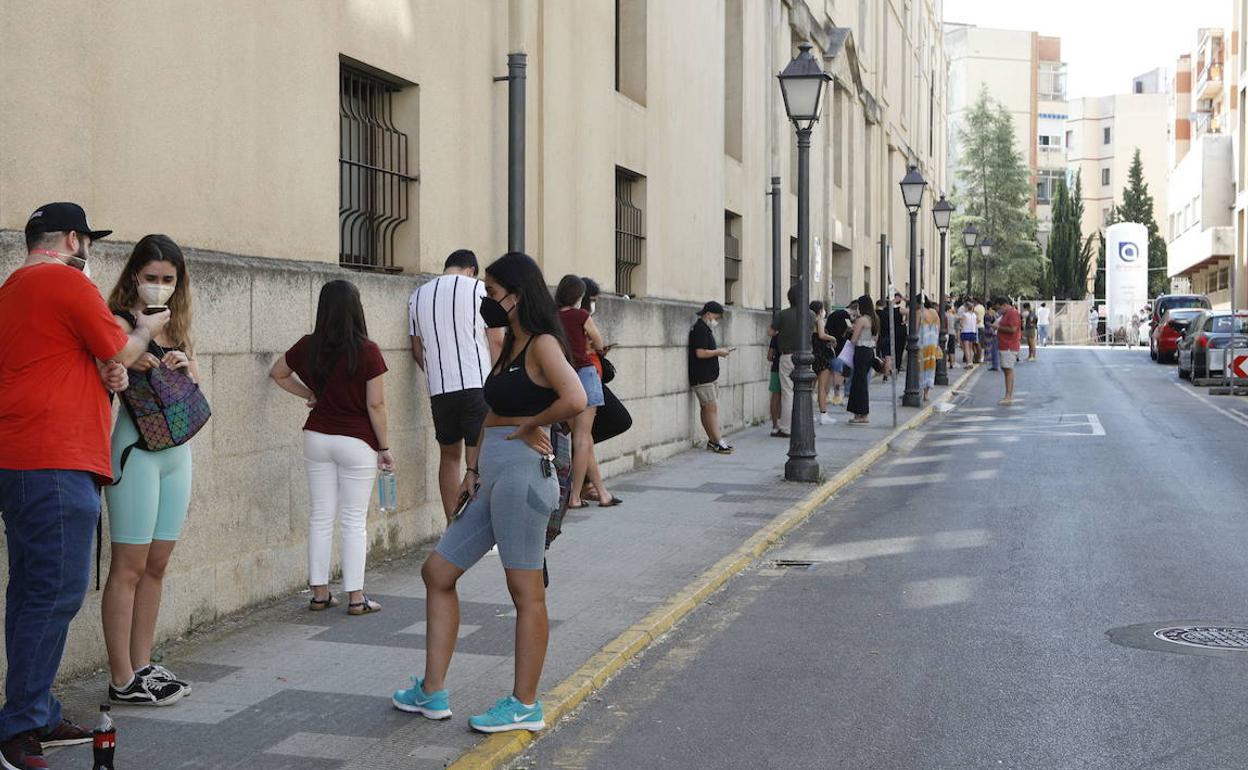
338,370
582,333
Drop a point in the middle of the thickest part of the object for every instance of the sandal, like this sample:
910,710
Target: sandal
316,605
364,607
572,507
614,501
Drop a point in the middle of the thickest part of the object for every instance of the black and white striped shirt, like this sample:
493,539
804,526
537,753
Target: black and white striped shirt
445,314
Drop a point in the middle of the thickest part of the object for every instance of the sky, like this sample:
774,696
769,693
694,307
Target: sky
1104,42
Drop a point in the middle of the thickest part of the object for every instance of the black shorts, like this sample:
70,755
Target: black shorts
457,416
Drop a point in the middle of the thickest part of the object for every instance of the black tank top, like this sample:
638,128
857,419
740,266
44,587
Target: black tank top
510,392
152,346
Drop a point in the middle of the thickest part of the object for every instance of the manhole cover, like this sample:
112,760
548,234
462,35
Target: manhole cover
1210,637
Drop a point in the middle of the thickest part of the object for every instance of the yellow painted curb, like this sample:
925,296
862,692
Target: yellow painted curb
564,697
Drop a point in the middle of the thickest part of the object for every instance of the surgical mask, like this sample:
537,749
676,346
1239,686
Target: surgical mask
155,294
713,323
493,313
593,306
77,261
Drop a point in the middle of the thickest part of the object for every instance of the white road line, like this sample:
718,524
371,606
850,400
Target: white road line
1239,418
1097,428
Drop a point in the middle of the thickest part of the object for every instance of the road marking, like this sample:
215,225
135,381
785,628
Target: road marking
1030,425
1237,417
917,459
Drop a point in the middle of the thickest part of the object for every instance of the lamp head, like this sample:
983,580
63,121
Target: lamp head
801,85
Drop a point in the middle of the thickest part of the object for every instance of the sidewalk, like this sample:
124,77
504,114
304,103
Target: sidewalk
285,688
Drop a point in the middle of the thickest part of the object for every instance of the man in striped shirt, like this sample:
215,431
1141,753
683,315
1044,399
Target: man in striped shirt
452,345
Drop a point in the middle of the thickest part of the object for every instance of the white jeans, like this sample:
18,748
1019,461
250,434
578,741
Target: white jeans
341,471
786,392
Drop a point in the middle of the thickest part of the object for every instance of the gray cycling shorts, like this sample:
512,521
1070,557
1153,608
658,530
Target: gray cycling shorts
511,509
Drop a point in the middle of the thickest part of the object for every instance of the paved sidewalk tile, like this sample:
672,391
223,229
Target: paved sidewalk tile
286,688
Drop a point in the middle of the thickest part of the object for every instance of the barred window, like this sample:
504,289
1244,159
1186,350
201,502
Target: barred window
732,255
374,195
630,229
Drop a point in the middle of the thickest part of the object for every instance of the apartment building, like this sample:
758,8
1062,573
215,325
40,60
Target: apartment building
1023,71
286,143
1238,273
1201,194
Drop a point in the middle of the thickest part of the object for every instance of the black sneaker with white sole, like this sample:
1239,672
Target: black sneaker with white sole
720,448
147,692
161,674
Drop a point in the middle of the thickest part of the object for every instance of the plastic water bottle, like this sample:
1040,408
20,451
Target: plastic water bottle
104,740
387,492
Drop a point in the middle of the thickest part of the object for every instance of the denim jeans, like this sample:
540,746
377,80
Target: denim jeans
49,524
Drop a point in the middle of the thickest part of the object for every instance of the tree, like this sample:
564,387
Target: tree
1113,217
1069,254
1137,206
995,194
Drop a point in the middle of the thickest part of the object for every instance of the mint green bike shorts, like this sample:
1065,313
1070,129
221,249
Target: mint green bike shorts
151,499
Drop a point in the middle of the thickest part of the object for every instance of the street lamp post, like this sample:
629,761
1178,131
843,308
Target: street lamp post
912,187
942,213
985,251
801,84
970,236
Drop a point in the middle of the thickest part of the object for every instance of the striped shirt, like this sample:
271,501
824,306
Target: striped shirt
445,314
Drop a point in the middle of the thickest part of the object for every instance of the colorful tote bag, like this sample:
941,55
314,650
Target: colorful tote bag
167,407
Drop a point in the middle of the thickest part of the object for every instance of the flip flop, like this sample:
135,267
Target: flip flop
614,501
572,507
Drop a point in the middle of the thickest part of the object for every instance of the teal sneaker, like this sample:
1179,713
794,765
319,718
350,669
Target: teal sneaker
509,714
434,705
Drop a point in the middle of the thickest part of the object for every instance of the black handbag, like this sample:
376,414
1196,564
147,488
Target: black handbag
608,369
612,418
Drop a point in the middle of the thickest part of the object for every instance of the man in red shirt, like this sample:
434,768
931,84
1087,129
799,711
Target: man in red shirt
58,340
1009,337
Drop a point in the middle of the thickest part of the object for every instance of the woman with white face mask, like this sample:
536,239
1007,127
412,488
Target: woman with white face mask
147,506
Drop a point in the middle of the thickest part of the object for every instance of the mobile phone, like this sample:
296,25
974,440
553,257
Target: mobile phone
154,309
462,505
607,348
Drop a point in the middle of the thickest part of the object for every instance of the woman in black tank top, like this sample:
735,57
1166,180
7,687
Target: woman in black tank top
530,387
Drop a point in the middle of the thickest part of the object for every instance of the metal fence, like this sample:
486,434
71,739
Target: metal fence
1071,324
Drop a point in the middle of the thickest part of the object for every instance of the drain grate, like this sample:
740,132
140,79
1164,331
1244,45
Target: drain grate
793,564
1209,637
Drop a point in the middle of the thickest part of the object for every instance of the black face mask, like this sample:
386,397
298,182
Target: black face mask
493,313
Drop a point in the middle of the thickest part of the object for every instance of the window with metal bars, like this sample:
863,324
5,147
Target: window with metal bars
630,229
732,255
373,178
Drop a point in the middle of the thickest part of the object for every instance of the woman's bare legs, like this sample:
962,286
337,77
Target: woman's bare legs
442,618
532,630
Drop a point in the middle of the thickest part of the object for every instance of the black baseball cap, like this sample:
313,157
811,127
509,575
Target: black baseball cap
712,307
62,217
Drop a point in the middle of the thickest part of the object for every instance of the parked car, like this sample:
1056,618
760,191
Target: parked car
1166,303
1164,343
1202,349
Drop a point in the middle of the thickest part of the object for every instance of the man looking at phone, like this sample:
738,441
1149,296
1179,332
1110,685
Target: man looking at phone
455,350
58,340
704,357
785,326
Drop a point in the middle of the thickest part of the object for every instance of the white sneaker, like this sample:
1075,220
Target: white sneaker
826,419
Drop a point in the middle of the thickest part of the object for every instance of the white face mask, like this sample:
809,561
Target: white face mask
713,323
155,294
593,306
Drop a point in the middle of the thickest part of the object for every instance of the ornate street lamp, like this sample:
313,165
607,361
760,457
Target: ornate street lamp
970,236
801,84
912,187
942,213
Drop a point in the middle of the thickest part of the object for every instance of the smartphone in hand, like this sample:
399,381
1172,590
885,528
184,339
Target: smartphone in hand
462,505
154,309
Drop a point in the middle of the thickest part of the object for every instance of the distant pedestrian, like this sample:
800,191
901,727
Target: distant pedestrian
980,313
1044,319
785,326
1094,322
821,348
967,330
863,335
612,418
339,372
773,383
900,330
454,349
61,353
950,320
884,316
531,387
929,346
988,339
1009,329
583,337
704,357
838,325
1031,323
1133,331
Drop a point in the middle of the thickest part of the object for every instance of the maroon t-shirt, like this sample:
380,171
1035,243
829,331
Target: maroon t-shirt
342,405
573,320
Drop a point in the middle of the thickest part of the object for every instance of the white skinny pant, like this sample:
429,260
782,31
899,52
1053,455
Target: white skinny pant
341,471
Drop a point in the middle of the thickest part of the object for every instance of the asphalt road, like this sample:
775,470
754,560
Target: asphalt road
958,608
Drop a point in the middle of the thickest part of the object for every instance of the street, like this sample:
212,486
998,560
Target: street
960,598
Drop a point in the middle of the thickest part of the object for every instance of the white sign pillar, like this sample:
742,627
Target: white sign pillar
1126,274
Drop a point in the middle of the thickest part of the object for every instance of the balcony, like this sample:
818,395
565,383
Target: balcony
1208,82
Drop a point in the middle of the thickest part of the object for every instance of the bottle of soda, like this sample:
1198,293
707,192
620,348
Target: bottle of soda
105,741
387,492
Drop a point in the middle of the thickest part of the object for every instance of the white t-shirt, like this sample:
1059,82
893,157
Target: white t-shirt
970,321
445,314
1042,316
